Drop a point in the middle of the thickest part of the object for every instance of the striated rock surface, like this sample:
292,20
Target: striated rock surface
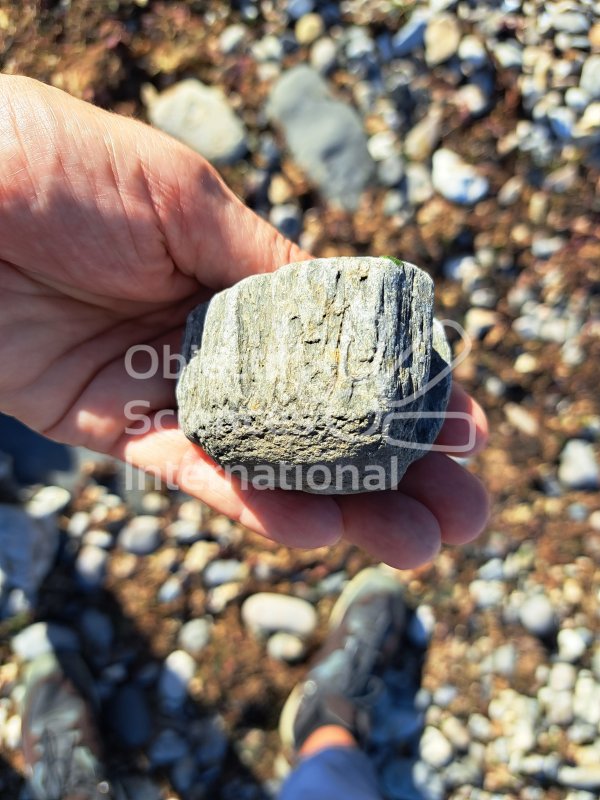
325,136
326,376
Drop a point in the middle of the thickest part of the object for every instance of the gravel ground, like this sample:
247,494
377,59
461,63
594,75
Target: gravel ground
475,128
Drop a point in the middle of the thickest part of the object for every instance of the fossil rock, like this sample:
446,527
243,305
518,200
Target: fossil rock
328,376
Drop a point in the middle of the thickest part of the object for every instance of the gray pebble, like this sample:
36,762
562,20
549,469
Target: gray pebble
434,748
390,171
585,777
41,638
177,672
130,716
286,647
224,571
141,536
457,181
170,590
590,77
325,136
96,629
537,615
168,747
578,467
184,531
442,37
410,37
298,8
201,117
418,184
48,500
29,547
90,566
98,538
232,38
78,524
573,643
287,218
194,636
323,55
267,613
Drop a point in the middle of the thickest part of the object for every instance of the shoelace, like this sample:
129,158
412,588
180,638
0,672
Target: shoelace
64,775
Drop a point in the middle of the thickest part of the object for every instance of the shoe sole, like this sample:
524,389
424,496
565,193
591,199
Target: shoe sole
370,579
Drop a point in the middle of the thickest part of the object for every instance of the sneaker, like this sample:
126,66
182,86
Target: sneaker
366,628
61,746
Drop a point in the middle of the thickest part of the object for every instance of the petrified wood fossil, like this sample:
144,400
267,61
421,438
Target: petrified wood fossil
329,375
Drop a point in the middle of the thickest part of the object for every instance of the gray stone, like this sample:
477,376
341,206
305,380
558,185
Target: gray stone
170,590
329,376
390,171
324,135
130,716
573,643
224,570
266,613
194,636
323,55
421,626
27,552
169,746
232,38
141,536
422,140
199,116
434,748
177,671
184,531
287,218
418,184
537,615
98,538
41,638
455,180
442,38
570,22
139,787
585,777
298,8
48,500
90,566
284,646
578,466
410,37
590,76
97,630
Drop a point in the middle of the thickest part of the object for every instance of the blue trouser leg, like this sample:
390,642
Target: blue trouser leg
338,773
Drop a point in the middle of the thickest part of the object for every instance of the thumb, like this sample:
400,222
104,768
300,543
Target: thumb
210,233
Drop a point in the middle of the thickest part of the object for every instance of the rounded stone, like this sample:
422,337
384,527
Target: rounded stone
537,615
141,536
309,28
194,636
455,180
286,647
177,672
90,566
434,748
442,38
130,716
267,613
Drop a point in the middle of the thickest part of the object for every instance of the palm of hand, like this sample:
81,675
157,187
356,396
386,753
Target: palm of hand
110,234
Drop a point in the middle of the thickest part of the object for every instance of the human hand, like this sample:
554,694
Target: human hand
110,233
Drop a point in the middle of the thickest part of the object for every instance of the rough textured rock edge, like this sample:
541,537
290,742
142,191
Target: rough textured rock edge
295,372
